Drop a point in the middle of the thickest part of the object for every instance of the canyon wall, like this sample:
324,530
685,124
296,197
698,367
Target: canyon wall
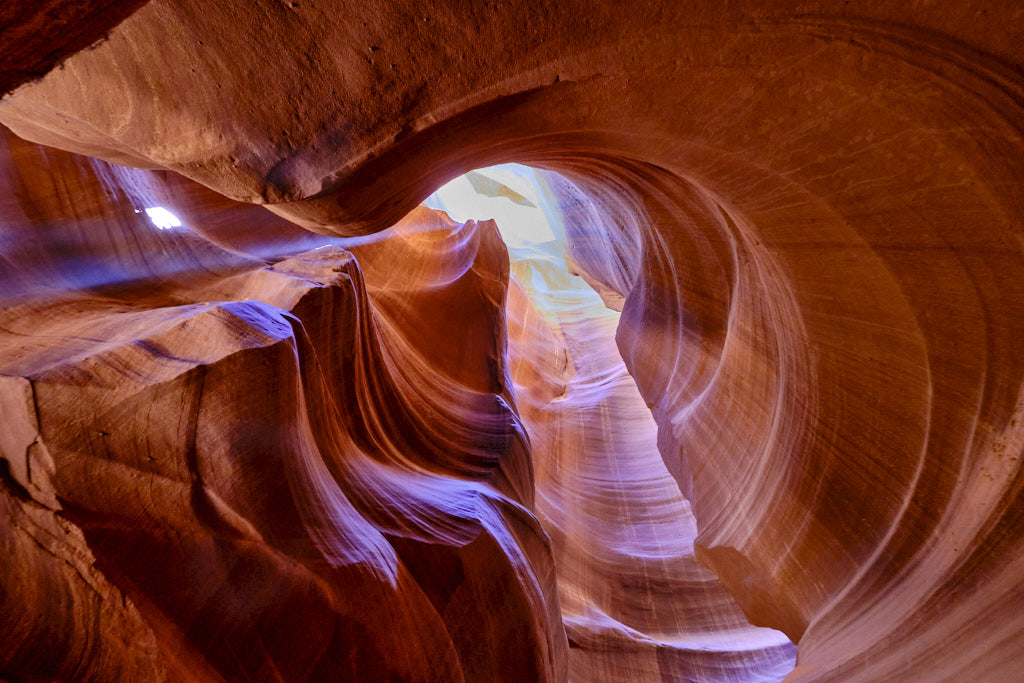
229,456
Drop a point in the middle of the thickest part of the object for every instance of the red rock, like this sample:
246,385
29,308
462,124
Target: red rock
230,455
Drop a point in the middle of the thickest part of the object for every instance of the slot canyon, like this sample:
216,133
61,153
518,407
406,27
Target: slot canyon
511,341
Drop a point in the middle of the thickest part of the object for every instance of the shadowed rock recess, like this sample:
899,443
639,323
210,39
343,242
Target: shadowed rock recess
746,405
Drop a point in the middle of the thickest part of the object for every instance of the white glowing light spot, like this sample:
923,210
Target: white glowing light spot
162,218
513,202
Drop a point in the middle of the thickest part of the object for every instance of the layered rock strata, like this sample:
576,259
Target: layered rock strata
236,471
636,603
812,216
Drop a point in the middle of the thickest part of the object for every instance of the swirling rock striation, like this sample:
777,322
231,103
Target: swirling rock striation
226,472
809,215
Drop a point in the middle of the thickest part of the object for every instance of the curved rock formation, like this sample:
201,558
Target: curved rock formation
228,456
635,602
254,478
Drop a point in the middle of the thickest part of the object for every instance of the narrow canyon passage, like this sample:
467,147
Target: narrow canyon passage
635,602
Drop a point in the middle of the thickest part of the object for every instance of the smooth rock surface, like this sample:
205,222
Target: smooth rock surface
265,462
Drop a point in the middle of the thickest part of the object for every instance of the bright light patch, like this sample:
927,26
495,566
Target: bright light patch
162,218
509,194
529,218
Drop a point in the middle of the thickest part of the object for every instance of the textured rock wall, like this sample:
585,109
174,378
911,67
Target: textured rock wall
220,469
817,218
636,603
